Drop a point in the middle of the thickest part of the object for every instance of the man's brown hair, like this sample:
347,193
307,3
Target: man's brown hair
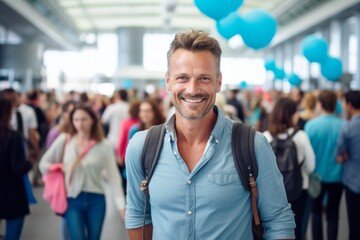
195,41
328,99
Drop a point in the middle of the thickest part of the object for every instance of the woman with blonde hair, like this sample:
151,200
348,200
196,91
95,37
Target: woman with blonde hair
86,154
308,105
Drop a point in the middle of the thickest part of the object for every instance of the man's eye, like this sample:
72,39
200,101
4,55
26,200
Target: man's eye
182,78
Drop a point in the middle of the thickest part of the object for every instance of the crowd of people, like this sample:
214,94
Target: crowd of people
92,135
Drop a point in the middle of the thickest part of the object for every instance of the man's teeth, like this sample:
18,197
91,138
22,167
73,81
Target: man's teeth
193,100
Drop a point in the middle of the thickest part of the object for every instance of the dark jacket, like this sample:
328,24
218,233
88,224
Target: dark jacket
13,166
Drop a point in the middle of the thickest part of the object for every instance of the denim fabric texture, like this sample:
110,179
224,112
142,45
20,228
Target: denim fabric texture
209,202
13,228
85,216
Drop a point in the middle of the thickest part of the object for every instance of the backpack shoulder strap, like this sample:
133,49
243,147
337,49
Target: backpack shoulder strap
294,133
245,161
244,152
150,153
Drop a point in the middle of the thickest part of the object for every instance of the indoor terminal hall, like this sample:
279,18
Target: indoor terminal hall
179,119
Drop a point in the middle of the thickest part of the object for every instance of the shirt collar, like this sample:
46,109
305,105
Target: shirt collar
356,117
216,132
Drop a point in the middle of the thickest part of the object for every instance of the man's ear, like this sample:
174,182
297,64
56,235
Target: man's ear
167,81
219,83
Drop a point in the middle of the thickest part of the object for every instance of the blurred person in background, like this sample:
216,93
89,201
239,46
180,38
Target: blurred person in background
229,110
32,100
123,137
84,185
323,132
282,124
23,119
297,95
114,114
149,115
62,127
259,117
231,98
13,165
308,105
348,153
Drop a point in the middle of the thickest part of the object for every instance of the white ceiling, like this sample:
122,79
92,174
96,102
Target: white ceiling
108,15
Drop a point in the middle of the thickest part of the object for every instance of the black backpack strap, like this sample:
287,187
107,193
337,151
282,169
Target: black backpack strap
149,157
245,161
150,153
243,152
19,120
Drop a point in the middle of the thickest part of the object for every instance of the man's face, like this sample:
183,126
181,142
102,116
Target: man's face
193,81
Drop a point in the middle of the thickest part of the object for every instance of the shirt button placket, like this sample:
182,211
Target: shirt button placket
189,206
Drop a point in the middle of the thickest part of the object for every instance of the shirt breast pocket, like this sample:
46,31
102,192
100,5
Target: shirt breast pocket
223,188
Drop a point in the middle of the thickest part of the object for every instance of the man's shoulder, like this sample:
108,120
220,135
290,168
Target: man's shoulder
318,121
137,141
134,149
26,110
114,107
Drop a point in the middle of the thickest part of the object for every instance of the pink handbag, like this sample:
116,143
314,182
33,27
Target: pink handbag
55,190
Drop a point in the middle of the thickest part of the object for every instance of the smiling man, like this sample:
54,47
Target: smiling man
195,191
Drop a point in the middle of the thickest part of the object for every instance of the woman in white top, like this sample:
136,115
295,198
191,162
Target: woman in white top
84,186
283,122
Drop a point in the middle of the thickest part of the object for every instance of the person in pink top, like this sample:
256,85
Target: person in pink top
125,127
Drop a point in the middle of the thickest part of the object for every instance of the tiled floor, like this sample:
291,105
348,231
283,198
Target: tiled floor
43,224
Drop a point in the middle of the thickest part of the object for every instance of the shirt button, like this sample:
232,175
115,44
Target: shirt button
189,182
189,212
175,153
217,141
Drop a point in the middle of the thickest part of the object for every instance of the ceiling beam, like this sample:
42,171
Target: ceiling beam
28,12
312,19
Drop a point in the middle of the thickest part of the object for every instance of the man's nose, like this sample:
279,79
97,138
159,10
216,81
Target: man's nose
193,86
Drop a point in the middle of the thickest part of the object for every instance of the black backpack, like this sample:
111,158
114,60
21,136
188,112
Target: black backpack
244,157
288,164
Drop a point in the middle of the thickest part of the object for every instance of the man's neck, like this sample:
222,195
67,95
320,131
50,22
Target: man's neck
324,112
195,131
355,113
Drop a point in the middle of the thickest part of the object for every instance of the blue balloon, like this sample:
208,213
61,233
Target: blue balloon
230,25
217,9
314,48
279,73
331,69
270,64
259,28
294,80
127,83
243,85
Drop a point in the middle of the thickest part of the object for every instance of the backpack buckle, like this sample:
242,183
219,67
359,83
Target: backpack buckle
144,185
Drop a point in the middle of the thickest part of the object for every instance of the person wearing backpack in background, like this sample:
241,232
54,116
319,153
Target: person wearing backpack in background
294,155
195,191
348,153
323,133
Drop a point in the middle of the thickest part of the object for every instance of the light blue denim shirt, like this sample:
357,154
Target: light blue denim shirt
349,141
209,202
